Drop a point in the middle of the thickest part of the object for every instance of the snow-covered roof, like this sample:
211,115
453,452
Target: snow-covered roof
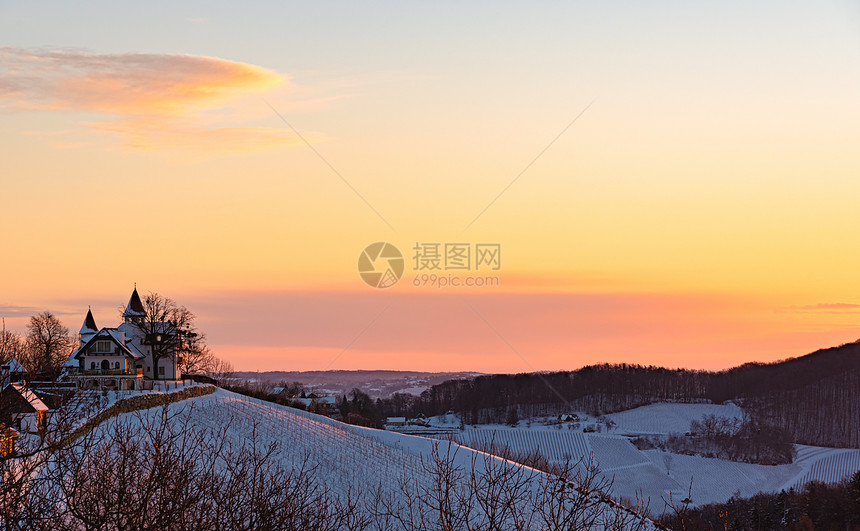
89,325
328,400
395,420
135,306
110,334
135,351
13,366
28,395
73,359
8,431
131,329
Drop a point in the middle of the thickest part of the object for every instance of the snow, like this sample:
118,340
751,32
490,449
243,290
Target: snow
557,446
664,418
348,457
828,465
28,395
644,473
613,453
324,400
717,480
86,404
13,366
415,390
353,457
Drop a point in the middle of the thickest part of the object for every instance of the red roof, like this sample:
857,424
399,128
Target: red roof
90,322
135,306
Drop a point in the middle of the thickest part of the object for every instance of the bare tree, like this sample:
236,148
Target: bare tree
197,358
11,344
168,329
49,343
28,496
155,472
222,371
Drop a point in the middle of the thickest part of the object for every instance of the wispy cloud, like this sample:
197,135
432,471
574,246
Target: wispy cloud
831,307
17,311
154,100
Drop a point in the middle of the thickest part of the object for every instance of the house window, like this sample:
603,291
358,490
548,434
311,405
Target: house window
103,347
116,365
161,370
92,365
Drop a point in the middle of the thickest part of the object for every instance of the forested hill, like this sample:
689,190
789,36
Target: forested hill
815,397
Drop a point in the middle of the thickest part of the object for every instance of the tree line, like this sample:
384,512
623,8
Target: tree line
744,440
355,407
814,397
815,506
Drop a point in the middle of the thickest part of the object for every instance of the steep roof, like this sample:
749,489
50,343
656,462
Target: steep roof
7,432
89,323
135,306
28,395
111,334
13,366
325,400
73,359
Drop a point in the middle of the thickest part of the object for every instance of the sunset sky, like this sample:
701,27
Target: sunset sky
702,210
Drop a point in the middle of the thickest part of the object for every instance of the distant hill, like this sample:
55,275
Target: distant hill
815,397
377,384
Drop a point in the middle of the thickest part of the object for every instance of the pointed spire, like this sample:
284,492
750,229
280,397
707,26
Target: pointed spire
89,323
135,306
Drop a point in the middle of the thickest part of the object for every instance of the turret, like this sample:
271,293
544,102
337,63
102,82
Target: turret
134,312
89,328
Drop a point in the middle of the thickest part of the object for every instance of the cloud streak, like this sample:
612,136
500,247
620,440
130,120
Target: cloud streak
154,100
838,307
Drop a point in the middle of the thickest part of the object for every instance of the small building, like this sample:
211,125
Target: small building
319,404
7,439
322,400
12,371
395,421
565,417
23,408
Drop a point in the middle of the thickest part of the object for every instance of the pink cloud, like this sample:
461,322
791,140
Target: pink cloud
155,100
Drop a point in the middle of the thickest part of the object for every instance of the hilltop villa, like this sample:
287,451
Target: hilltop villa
121,357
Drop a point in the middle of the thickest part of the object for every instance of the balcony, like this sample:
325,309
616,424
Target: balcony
108,372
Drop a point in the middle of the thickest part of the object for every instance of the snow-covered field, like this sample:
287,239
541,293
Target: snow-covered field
655,475
348,459
352,458
829,465
668,418
556,446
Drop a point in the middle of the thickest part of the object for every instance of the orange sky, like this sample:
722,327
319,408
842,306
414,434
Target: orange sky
701,212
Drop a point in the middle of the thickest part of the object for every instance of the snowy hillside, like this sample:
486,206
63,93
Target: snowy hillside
669,418
655,475
353,461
